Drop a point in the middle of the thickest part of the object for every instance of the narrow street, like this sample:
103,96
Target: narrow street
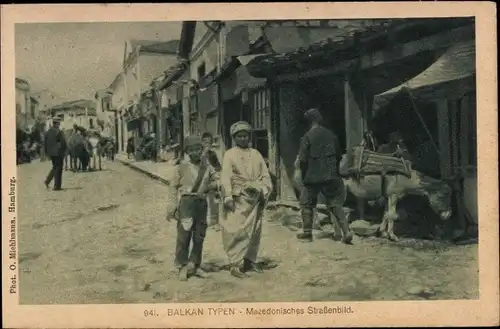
104,239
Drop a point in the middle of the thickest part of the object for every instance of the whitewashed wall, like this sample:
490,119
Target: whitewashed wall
132,82
23,100
118,98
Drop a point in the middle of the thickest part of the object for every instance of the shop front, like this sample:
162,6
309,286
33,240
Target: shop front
241,95
437,111
341,82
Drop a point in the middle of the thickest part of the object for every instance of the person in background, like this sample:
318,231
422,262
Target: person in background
208,153
55,147
42,148
130,147
316,168
193,180
395,146
210,156
245,187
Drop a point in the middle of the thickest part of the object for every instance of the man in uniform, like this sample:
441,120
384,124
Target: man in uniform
55,147
317,168
193,180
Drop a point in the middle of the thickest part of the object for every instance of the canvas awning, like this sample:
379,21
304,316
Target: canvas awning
245,59
239,81
456,64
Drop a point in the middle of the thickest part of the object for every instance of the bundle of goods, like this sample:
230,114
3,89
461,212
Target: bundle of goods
363,162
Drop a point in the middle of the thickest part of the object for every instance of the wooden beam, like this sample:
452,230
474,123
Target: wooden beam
455,134
464,130
398,52
443,134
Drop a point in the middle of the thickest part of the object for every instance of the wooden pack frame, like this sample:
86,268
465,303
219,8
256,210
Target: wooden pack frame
364,162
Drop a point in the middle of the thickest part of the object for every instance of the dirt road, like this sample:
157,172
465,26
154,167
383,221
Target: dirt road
105,240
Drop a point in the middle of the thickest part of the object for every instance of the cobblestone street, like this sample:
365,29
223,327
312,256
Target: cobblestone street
104,239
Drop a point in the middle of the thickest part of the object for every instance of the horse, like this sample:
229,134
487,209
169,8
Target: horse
72,139
79,150
392,187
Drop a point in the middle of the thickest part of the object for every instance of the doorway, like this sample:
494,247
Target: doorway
232,114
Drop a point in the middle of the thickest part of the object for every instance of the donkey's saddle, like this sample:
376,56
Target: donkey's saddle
363,162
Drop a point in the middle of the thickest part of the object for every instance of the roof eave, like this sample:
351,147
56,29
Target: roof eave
172,77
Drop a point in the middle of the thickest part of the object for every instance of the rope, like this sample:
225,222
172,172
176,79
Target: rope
421,119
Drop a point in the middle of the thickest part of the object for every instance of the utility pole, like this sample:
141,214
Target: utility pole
159,120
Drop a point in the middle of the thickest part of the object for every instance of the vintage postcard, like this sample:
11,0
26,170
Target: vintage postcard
249,165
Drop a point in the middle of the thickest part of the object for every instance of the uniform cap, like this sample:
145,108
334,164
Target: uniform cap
313,115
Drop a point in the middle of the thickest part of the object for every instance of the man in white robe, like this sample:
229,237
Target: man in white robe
246,185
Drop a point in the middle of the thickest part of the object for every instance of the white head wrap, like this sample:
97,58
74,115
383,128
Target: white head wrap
240,126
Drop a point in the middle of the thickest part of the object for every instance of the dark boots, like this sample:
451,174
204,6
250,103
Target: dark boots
347,235
307,225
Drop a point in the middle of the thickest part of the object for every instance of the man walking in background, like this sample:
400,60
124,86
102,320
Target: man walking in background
317,168
55,147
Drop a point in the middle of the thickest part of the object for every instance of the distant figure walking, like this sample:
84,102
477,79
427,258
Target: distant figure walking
316,169
130,147
55,147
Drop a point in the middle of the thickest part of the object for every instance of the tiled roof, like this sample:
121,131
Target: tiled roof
168,47
83,103
171,74
342,37
342,43
20,80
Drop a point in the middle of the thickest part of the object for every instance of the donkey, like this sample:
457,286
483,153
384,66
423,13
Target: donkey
394,187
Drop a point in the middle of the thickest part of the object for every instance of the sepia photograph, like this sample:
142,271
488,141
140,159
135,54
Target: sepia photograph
178,162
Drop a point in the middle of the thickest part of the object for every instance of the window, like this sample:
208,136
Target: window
260,110
201,71
91,123
260,107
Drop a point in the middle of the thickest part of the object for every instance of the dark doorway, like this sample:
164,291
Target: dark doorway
232,114
327,94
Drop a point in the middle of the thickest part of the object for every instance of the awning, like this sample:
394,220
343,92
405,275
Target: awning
245,81
244,60
457,63
239,81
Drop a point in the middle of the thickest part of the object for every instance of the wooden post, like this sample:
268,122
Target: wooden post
348,110
464,130
444,137
353,117
159,122
455,138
